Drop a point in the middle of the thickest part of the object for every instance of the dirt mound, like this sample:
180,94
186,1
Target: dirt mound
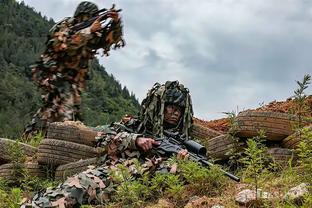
222,125
287,106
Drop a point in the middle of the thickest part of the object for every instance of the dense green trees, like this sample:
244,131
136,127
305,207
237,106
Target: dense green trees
22,35
105,100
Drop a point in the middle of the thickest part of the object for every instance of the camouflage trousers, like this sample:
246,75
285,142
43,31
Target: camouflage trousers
59,104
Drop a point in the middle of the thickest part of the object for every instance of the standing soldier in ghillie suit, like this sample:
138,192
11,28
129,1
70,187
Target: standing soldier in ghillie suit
62,70
167,107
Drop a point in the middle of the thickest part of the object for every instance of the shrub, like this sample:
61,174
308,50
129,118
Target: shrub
11,199
255,159
304,152
203,180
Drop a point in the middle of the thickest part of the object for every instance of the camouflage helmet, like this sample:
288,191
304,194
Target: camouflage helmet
153,106
86,7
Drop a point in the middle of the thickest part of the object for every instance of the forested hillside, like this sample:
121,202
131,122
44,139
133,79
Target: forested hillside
22,35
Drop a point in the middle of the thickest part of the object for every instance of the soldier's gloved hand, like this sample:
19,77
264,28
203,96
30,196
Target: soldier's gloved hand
96,25
114,15
183,154
145,143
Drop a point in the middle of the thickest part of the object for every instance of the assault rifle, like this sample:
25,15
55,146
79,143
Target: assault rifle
172,144
102,15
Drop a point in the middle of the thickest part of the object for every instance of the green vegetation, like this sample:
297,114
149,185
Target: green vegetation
190,179
304,152
136,191
236,152
255,159
301,109
20,182
10,199
203,181
22,39
36,139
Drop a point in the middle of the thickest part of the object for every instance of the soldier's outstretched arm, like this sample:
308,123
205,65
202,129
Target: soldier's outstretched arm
65,43
117,142
63,39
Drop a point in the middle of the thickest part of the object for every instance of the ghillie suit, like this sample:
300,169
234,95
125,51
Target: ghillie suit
98,186
62,70
152,108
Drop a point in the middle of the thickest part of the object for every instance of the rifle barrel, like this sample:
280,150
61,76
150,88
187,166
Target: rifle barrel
230,175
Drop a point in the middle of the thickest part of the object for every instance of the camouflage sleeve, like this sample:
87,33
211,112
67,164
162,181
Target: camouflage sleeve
64,41
117,142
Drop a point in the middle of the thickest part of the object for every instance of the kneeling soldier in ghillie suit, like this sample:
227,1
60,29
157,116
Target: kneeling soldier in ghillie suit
167,107
62,70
